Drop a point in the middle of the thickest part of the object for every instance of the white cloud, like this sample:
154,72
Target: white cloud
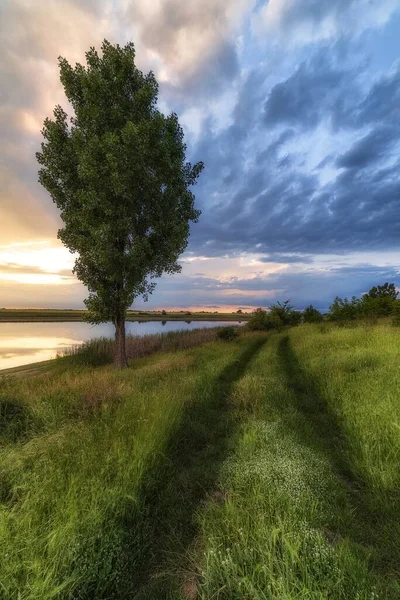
182,38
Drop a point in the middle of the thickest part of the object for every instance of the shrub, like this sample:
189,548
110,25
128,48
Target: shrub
379,306
312,315
285,313
396,314
164,312
344,309
260,320
279,314
380,301
228,333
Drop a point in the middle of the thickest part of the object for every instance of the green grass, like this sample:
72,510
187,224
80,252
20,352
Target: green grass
262,468
101,351
311,493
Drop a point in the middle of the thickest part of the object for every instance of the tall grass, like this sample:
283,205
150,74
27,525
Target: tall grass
100,351
99,463
311,494
264,468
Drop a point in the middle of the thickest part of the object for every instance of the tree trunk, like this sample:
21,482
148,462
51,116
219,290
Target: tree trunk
120,349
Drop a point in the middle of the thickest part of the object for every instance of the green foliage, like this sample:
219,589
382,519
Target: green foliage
15,419
387,290
279,314
396,313
117,172
260,320
285,312
312,315
344,309
228,333
378,302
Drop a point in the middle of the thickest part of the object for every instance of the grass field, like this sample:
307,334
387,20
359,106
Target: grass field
13,315
260,469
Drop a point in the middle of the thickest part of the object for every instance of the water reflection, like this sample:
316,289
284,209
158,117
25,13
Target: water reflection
24,343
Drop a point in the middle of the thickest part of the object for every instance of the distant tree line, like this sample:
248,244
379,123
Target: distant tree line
380,301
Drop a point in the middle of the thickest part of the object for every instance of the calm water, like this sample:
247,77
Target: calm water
24,343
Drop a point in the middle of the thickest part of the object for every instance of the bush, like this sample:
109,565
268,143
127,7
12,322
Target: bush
278,315
228,333
285,313
396,314
380,301
344,309
312,315
260,320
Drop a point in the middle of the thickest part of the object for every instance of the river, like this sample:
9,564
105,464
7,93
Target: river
25,343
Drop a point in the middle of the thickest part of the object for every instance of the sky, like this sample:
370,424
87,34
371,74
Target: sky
292,105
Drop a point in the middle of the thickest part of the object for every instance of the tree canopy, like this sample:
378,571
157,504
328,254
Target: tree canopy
380,301
117,171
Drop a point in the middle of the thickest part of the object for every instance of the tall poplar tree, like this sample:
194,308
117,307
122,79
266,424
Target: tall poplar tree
117,171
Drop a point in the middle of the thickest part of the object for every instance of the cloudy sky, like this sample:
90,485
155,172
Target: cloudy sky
294,107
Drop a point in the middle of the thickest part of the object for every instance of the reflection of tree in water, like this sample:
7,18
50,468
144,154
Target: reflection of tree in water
188,322
163,323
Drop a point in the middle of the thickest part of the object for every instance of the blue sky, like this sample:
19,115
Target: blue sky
293,105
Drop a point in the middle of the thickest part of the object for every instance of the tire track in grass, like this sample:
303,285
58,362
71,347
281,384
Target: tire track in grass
189,473
326,433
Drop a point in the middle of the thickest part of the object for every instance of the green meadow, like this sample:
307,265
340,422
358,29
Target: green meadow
262,468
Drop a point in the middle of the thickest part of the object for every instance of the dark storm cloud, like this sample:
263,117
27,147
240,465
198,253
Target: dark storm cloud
325,161
271,151
320,287
382,103
327,87
286,258
295,14
266,199
323,88
313,20
372,148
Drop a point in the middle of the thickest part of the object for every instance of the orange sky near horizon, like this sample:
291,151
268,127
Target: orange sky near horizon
218,65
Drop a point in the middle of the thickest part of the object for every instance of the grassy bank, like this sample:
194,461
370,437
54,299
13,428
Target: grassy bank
11,315
101,351
262,468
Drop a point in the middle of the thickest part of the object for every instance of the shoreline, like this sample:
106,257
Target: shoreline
29,368
70,318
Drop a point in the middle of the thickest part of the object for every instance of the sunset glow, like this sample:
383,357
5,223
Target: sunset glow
298,133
